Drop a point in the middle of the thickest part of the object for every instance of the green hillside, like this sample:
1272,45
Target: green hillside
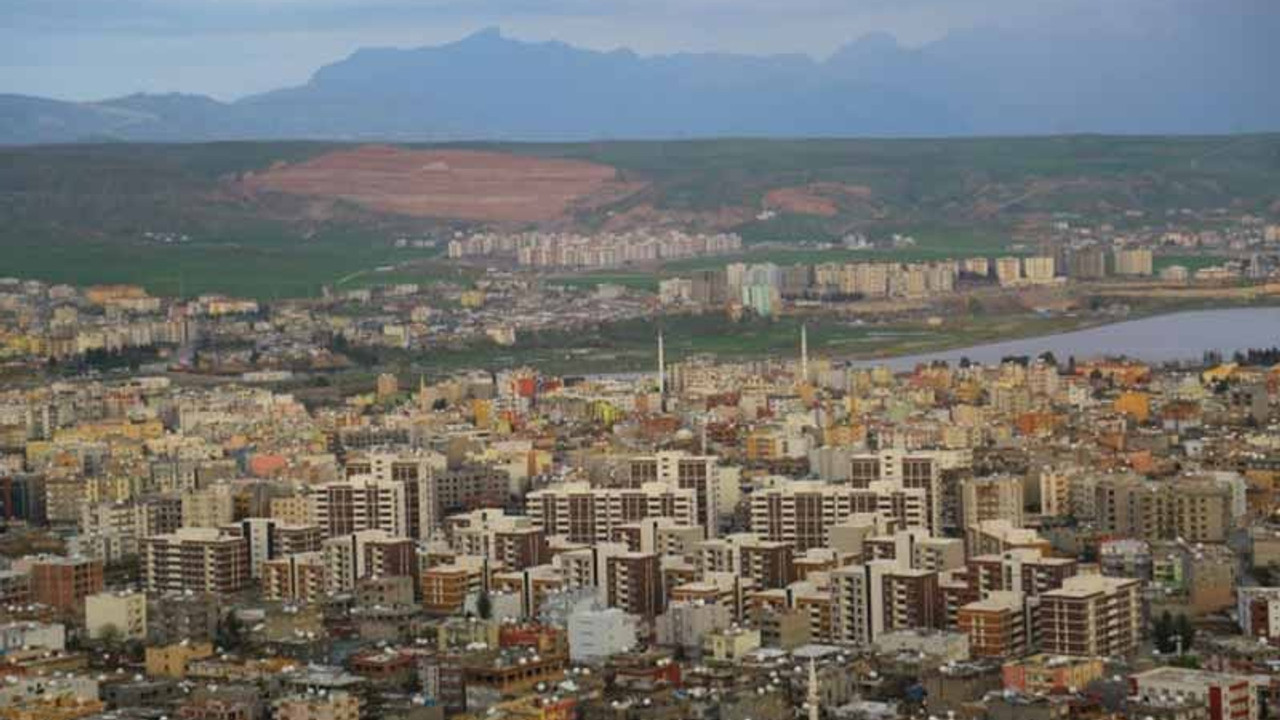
82,213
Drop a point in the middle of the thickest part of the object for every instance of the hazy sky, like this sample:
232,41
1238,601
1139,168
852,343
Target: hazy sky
92,49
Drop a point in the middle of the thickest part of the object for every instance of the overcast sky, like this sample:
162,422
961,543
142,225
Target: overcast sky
93,49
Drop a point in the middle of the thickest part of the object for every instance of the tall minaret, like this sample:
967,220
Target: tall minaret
812,699
662,367
804,352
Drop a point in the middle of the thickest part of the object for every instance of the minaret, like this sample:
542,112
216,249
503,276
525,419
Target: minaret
812,699
804,352
662,368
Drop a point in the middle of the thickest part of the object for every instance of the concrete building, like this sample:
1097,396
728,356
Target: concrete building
1228,696
584,514
124,613
597,633
297,578
997,626
512,542
1091,615
945,646
699,473
634,584
334,705
209,507
62,582
993,498
1193,509
1133,262
685,624
197,560
368,553
28,635
803,513
1051,674
880,596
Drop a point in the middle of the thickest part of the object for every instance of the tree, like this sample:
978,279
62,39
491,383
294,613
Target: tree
109,634
231,632
484,605
1162,633
1184,630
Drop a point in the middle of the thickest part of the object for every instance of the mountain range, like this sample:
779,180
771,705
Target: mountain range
978,82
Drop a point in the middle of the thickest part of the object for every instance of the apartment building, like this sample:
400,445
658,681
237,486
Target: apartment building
269,538
993,498
1133,261
1193,509
445,588
917,549
350,506
62,583
124,613
880,596
662,535
768,563
699,473
1091,615
418,502
584,514
905,470
634,584
1227,696
1024,571
208,507
997,626
367,553
510,541
196,560
296,578
803,513
335,705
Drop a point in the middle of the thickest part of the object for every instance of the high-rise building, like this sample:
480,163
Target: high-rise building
585,514
880,596
1192,509
512,542
345,507
1091,615
996,625
367,553
909,470
1133,261
993,498
300,578
63,582
1087,263
699,473
197,560
803,513
634,584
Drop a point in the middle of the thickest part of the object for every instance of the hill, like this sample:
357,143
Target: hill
978,82
286,217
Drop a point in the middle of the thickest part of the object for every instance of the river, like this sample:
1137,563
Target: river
1162,338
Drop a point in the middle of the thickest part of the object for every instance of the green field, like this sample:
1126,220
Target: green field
78,213
1190,262
631,345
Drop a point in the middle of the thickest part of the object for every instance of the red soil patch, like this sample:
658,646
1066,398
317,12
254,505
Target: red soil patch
461,184
822,199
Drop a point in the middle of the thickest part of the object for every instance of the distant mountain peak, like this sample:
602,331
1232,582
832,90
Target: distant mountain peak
490,34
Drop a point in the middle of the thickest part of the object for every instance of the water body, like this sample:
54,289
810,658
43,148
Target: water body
1163,338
